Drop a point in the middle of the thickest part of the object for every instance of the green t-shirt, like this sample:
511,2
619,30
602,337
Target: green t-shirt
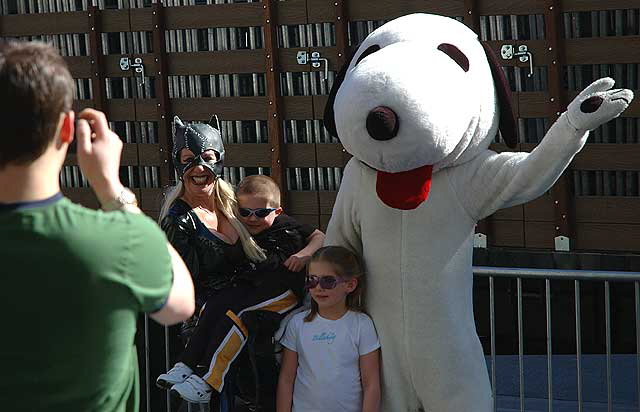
73,283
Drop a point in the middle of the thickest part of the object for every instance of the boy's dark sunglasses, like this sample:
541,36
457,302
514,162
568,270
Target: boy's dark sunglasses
326,281
261,213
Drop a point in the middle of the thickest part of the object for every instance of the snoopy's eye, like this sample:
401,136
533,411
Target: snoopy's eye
370,50
455,54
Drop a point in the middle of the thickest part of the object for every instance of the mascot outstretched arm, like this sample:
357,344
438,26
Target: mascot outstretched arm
417,107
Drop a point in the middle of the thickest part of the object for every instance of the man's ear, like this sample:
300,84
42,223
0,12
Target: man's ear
67,127
278,211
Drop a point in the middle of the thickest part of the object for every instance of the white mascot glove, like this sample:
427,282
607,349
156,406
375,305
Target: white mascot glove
597,104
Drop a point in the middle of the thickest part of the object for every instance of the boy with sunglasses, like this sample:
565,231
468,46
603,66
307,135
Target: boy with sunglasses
275,284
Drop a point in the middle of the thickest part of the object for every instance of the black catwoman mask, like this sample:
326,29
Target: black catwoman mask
197,137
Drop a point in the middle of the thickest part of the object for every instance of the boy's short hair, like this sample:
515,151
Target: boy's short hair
35,88
262,186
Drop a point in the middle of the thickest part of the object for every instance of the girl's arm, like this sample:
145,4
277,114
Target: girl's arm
287,378
370,375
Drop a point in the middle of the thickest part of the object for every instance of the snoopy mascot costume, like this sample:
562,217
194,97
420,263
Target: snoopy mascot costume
417,107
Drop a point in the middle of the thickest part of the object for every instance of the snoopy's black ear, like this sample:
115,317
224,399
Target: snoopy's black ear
507,125
329,119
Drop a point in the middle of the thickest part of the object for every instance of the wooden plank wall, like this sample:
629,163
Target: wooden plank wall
215,56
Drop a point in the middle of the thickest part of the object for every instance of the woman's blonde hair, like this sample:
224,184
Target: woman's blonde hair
346,265
225,201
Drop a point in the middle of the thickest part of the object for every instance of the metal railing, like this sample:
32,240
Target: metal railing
547,275
577,276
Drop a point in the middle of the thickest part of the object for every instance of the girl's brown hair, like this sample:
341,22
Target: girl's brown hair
348,266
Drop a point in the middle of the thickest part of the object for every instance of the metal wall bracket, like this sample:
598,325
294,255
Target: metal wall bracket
562,244
125,65
480,241
523,54
316,61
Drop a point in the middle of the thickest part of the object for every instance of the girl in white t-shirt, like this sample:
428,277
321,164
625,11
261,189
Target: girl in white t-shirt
331,352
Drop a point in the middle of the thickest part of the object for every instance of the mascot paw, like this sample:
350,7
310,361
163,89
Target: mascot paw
597,104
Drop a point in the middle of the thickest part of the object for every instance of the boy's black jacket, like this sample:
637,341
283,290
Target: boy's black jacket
284,238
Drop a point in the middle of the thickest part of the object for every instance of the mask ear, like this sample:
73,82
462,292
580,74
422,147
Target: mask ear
176,123
329,116
507,124
214,122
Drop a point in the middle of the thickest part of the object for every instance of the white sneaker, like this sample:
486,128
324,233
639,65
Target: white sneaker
178,374
194,390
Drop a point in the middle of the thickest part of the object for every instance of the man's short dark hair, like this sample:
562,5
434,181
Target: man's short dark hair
35,88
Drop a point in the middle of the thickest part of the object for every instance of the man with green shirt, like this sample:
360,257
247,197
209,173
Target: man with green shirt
73,279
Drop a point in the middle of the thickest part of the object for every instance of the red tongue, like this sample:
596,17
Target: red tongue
404,190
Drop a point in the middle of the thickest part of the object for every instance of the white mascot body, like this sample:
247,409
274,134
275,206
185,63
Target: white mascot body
417,107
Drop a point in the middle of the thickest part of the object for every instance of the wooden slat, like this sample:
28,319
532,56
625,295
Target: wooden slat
233,61
150,154
297,107
609,209
247,155
142,18
78,105
603,156
292,12
320,11
533,104
385,9
121,109
319,103
227,108
129,155
301,155
150,199
332,155
97,59
79,66
163,108
327,199
214,15
113,21
609,237
540,235
596,50
43,23
275,107
540,209
608,157
563,209
507,233
302,202
500,7
593,5
307,219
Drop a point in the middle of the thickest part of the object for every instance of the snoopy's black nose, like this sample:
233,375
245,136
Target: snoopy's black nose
382,123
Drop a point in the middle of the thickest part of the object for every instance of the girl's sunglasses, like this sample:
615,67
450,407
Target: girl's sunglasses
260,213
326,281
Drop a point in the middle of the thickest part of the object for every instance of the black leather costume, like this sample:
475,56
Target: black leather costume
284,238
213,262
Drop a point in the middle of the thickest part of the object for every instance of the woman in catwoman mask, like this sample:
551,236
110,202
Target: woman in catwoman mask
199,214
